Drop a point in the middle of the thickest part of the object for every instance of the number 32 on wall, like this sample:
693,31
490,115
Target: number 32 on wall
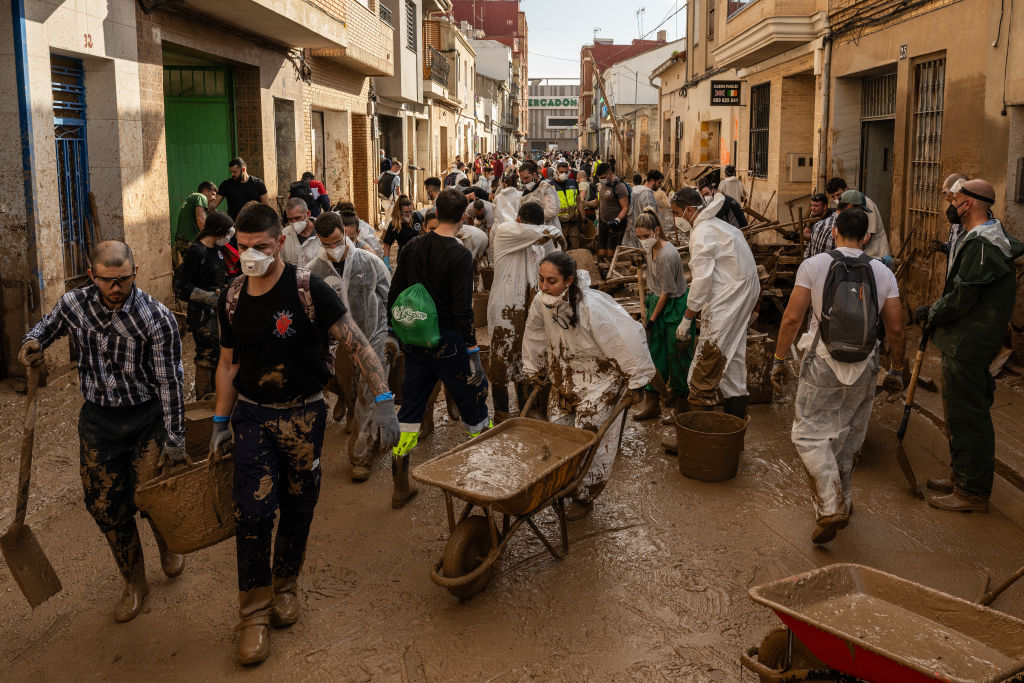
87,39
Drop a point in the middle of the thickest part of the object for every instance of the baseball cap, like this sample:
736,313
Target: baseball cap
854,198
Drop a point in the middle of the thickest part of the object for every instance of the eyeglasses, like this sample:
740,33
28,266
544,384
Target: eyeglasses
111,281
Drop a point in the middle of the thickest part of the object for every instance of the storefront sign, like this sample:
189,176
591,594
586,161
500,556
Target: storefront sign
725,93
553,102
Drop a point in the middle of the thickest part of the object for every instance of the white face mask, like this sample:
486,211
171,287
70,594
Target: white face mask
682,223
221,241
335,254
561,177
530,185
604,181
550,300
298,226
254,262
648,243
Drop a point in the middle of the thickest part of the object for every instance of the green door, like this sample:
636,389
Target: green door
199,126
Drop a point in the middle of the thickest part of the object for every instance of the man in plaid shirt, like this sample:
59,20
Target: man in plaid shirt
131,377
821,236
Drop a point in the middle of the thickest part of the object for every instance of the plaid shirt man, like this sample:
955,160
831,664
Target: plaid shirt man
821,237
127,356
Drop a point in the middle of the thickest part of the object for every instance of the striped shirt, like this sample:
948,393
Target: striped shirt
127,356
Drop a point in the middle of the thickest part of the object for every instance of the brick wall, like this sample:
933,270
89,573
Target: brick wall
362,162
249,121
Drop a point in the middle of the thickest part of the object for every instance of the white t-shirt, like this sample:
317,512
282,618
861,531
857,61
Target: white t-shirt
812,274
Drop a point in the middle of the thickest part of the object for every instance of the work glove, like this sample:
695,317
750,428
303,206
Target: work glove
221,436
31,354
938,246
648,325
172,455
893,381
888,261
921,315
614,224
636,396
387,422
476,368
781,374
684,333
203,296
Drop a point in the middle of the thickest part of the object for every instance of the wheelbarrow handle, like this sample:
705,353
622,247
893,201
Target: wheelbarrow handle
749,662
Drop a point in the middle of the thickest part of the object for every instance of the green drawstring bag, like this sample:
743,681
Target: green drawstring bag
414,317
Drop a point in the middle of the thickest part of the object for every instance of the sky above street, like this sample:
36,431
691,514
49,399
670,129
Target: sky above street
558,28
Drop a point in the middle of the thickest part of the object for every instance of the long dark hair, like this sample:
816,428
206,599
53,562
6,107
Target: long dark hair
566,266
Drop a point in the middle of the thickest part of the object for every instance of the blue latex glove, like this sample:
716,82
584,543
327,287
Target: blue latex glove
888,260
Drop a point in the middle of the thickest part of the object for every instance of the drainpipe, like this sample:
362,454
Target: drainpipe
34,285
826,92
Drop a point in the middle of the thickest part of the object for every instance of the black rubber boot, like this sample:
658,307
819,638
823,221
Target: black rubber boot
403,492
736,406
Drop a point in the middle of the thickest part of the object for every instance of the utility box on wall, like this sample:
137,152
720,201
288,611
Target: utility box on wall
799,168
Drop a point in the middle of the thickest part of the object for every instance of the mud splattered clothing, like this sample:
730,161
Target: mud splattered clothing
127,356
203,268
724,288
590,366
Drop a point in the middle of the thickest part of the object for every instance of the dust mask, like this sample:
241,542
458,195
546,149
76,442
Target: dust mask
530,185
550,300
221,241
648,243
334,254
299,226
682,224
254,262
561,177
952,215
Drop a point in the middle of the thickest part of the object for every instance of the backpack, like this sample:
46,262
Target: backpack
449,180
629,190
302,280
302,190
384,184
850,324
414,317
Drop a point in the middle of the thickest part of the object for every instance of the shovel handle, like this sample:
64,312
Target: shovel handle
529,402
993,594
27,441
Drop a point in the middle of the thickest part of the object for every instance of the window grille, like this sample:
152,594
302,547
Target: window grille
926,150
759,121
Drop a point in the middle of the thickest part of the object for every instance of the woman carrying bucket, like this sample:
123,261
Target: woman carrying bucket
592,352
666,305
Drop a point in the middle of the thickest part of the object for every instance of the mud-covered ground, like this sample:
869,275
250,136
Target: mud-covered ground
654,586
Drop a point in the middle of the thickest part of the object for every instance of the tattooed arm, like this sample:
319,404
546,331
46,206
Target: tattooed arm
364,357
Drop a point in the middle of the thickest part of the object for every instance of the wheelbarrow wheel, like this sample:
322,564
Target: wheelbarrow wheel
468,546
772,653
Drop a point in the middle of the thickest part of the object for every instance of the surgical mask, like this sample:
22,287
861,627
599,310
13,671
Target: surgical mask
952,215
648,243
530,185
561,177
682,223
604,181
221,241
298,226
550,300
335,253
254,262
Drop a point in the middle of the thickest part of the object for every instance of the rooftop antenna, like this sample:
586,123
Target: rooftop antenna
597,29
640,20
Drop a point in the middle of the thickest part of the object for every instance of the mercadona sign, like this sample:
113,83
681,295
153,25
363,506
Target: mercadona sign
553,102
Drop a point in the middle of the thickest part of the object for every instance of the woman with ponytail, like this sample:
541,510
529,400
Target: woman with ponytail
584,344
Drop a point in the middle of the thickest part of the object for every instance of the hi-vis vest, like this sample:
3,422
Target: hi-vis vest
567,199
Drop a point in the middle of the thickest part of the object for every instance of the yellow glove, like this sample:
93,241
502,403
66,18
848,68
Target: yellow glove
406,442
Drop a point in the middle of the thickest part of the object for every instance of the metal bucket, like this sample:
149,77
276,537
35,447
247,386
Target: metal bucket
709,444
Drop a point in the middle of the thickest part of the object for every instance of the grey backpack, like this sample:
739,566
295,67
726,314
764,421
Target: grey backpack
850,325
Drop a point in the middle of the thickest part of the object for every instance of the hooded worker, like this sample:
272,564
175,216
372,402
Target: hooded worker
361,282
724,289
592,352
968,324
535,189
507,199
515,276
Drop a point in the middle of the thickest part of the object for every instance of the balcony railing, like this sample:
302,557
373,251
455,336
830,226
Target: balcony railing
385,14
436,67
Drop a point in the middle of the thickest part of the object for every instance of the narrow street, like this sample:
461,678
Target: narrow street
654,586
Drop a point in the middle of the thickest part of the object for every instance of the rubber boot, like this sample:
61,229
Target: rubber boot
254,608
173,564
285,611
651,408
127,551
736,406
826,528
360,472
204,381
400,474
698,407
499,396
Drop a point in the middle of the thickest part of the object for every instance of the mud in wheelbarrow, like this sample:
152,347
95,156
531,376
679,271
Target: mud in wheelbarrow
861,623
511,472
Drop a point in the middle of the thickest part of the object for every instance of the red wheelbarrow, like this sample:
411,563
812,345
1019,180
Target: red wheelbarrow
515,470
847,622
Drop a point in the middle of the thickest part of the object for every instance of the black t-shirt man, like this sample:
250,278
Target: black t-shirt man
280,354
406,232
239,194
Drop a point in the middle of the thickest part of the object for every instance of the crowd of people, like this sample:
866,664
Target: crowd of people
284,305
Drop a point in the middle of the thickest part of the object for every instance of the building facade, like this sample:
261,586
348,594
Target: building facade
554,114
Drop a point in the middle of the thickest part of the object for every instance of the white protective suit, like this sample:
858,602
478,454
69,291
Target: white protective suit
506,204
724,288
296,254
590,365
515,274
546,195
363,288
475,240
643,197
366,236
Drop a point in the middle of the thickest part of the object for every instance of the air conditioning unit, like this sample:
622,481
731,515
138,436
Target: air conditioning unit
799,168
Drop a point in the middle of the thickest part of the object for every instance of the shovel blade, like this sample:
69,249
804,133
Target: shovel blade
908,471
29,566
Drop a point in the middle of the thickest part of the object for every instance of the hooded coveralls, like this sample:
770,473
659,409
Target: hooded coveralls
363,288
590,365
546,195
506,205
724,288
968,324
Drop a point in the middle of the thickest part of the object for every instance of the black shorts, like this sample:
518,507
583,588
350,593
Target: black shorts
609,238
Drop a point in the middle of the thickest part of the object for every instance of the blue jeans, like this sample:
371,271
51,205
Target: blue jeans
447,362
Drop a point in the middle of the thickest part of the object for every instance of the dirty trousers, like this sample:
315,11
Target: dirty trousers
672,362
365,444
118,449
202,320
604,458
447,362
967,394
829,427
277,466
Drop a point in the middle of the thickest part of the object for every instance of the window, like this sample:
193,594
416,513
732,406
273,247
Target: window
736,5
696,21
926,150
410,25
759,116
711,19
561,122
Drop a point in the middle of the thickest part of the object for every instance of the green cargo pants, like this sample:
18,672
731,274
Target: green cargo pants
967,393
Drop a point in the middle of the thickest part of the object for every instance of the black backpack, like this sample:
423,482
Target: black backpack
850,324
384,184
449,180
302,190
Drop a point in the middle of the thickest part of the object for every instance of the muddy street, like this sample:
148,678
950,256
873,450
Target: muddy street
653,588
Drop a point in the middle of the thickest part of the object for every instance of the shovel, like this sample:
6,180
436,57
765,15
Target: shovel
25,558
993,594
901,455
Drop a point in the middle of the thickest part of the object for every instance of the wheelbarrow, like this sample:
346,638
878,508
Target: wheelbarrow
515,470
848,622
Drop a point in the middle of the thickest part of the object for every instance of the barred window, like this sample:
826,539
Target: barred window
759,116
410,25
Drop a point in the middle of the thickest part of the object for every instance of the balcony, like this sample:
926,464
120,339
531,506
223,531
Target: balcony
385,15
368,52
761,29
295,23
435,67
